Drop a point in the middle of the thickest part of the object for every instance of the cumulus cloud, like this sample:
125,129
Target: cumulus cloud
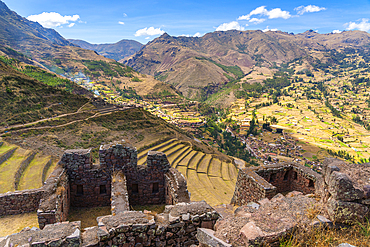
271,14
121,23
71,25
364,25
52,19
309,8
151,31
268,29
256,20
336,31
198,34
234,25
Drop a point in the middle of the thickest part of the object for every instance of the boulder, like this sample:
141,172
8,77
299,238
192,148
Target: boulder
340,187
346,212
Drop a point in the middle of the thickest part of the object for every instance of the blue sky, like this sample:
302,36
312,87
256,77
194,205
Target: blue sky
98,21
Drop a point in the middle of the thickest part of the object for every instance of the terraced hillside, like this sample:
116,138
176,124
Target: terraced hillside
22,169
208,178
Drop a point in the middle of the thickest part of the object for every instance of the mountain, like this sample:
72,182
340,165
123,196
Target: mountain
194,63
46,48
116,51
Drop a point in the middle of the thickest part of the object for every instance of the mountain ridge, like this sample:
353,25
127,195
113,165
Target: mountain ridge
116,51
175,60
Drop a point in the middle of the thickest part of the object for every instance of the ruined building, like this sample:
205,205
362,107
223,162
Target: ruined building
117,181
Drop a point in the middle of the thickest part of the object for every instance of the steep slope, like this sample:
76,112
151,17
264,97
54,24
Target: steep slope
24,99
50,50
116,51
191,63
17,31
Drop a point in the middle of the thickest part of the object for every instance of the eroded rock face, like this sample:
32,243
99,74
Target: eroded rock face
266,224
347,212
340,186
345,190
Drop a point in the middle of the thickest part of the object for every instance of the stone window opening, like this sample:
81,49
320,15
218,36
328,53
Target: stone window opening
80,189
272,177
310,183
135,188
286,176
294,175
155,188
103,189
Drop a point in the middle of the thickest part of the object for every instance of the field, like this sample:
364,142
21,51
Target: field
31,177
208,177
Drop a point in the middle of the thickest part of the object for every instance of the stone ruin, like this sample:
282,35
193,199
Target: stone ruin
116,181
275,200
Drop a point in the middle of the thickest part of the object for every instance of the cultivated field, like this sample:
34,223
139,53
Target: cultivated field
208,178
36,168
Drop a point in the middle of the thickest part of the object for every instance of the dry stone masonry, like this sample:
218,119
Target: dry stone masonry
116,181
273,201
256,183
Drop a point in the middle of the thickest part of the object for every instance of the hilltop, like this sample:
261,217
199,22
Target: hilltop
198,65
116,51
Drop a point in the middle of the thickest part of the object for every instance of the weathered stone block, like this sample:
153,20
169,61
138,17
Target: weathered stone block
346,212
206,238
340,186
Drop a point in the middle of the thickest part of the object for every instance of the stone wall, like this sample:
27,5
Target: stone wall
20,202
120,201
250,187
7,155
22,167
55,203
289,177
176,187
345,189
256,183
177,226
90,185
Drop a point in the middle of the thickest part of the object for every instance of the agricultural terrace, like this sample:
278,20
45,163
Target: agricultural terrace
208,178
325,108
32,168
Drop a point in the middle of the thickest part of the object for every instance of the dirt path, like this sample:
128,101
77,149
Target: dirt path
98,114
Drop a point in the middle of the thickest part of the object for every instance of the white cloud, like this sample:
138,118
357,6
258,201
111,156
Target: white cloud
52,19
267,29
262,11
336,31
71,25
124,15
149,31
234,25
198,34
121,23
147,38
256,20
309,8
364,25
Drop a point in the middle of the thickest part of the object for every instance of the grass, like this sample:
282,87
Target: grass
357,235
15,223
9,168
88,216
32,176
6,147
